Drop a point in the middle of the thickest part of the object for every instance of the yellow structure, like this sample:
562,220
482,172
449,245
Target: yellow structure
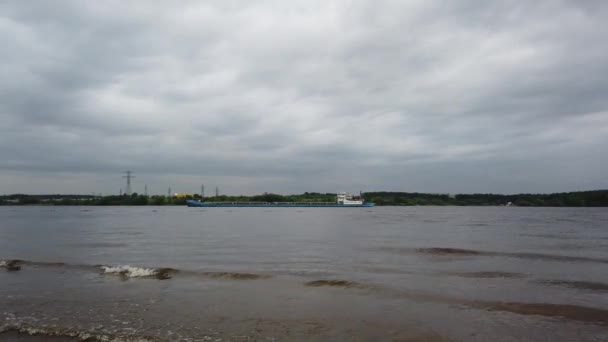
178,195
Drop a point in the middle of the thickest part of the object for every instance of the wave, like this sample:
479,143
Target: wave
553,257
447,251
236,275
459,252
552,310
55,264
67,333
130,271
99,244
571,312
167,273
487,274
334,283
551,236
138,272
565,311
10,265
582,285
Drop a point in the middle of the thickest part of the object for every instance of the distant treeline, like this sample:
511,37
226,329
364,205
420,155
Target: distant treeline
598,198
134,199
137,199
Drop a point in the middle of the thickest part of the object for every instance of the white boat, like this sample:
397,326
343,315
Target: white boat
345,198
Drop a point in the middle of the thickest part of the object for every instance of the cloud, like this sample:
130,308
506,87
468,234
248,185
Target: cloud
304,96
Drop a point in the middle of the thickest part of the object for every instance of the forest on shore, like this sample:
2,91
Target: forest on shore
596,198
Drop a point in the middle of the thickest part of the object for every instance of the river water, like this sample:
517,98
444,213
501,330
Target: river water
304,274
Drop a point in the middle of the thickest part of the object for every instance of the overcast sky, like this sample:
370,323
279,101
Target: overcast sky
293,96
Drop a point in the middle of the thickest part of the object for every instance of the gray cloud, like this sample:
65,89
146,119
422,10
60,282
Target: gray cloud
304,96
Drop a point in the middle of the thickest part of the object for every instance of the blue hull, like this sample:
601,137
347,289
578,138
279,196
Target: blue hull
191,203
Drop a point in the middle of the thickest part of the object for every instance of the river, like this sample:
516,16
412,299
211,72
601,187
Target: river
304,274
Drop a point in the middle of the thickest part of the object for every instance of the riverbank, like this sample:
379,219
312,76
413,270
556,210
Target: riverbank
596,198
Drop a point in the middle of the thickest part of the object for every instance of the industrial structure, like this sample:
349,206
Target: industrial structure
128,176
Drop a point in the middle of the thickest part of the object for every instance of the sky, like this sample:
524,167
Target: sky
293,96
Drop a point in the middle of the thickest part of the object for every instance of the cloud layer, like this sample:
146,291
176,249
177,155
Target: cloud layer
304,96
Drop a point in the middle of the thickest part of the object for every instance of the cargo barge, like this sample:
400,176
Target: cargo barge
343,200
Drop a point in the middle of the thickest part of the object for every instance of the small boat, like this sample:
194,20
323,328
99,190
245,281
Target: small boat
343,200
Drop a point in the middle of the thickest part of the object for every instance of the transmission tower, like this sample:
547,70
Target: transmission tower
202,191
128,176
146,190
217,191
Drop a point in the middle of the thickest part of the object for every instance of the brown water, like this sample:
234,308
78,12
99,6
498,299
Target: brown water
360,274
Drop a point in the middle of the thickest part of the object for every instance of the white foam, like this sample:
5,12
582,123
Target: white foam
130,271
69,332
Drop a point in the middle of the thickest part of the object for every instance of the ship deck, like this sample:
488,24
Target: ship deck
276,204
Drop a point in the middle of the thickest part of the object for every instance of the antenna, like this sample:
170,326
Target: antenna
129,176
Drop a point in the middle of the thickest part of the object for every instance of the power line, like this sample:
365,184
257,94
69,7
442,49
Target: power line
129,176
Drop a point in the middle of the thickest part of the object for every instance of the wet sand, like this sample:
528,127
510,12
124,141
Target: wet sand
18,336
583,285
